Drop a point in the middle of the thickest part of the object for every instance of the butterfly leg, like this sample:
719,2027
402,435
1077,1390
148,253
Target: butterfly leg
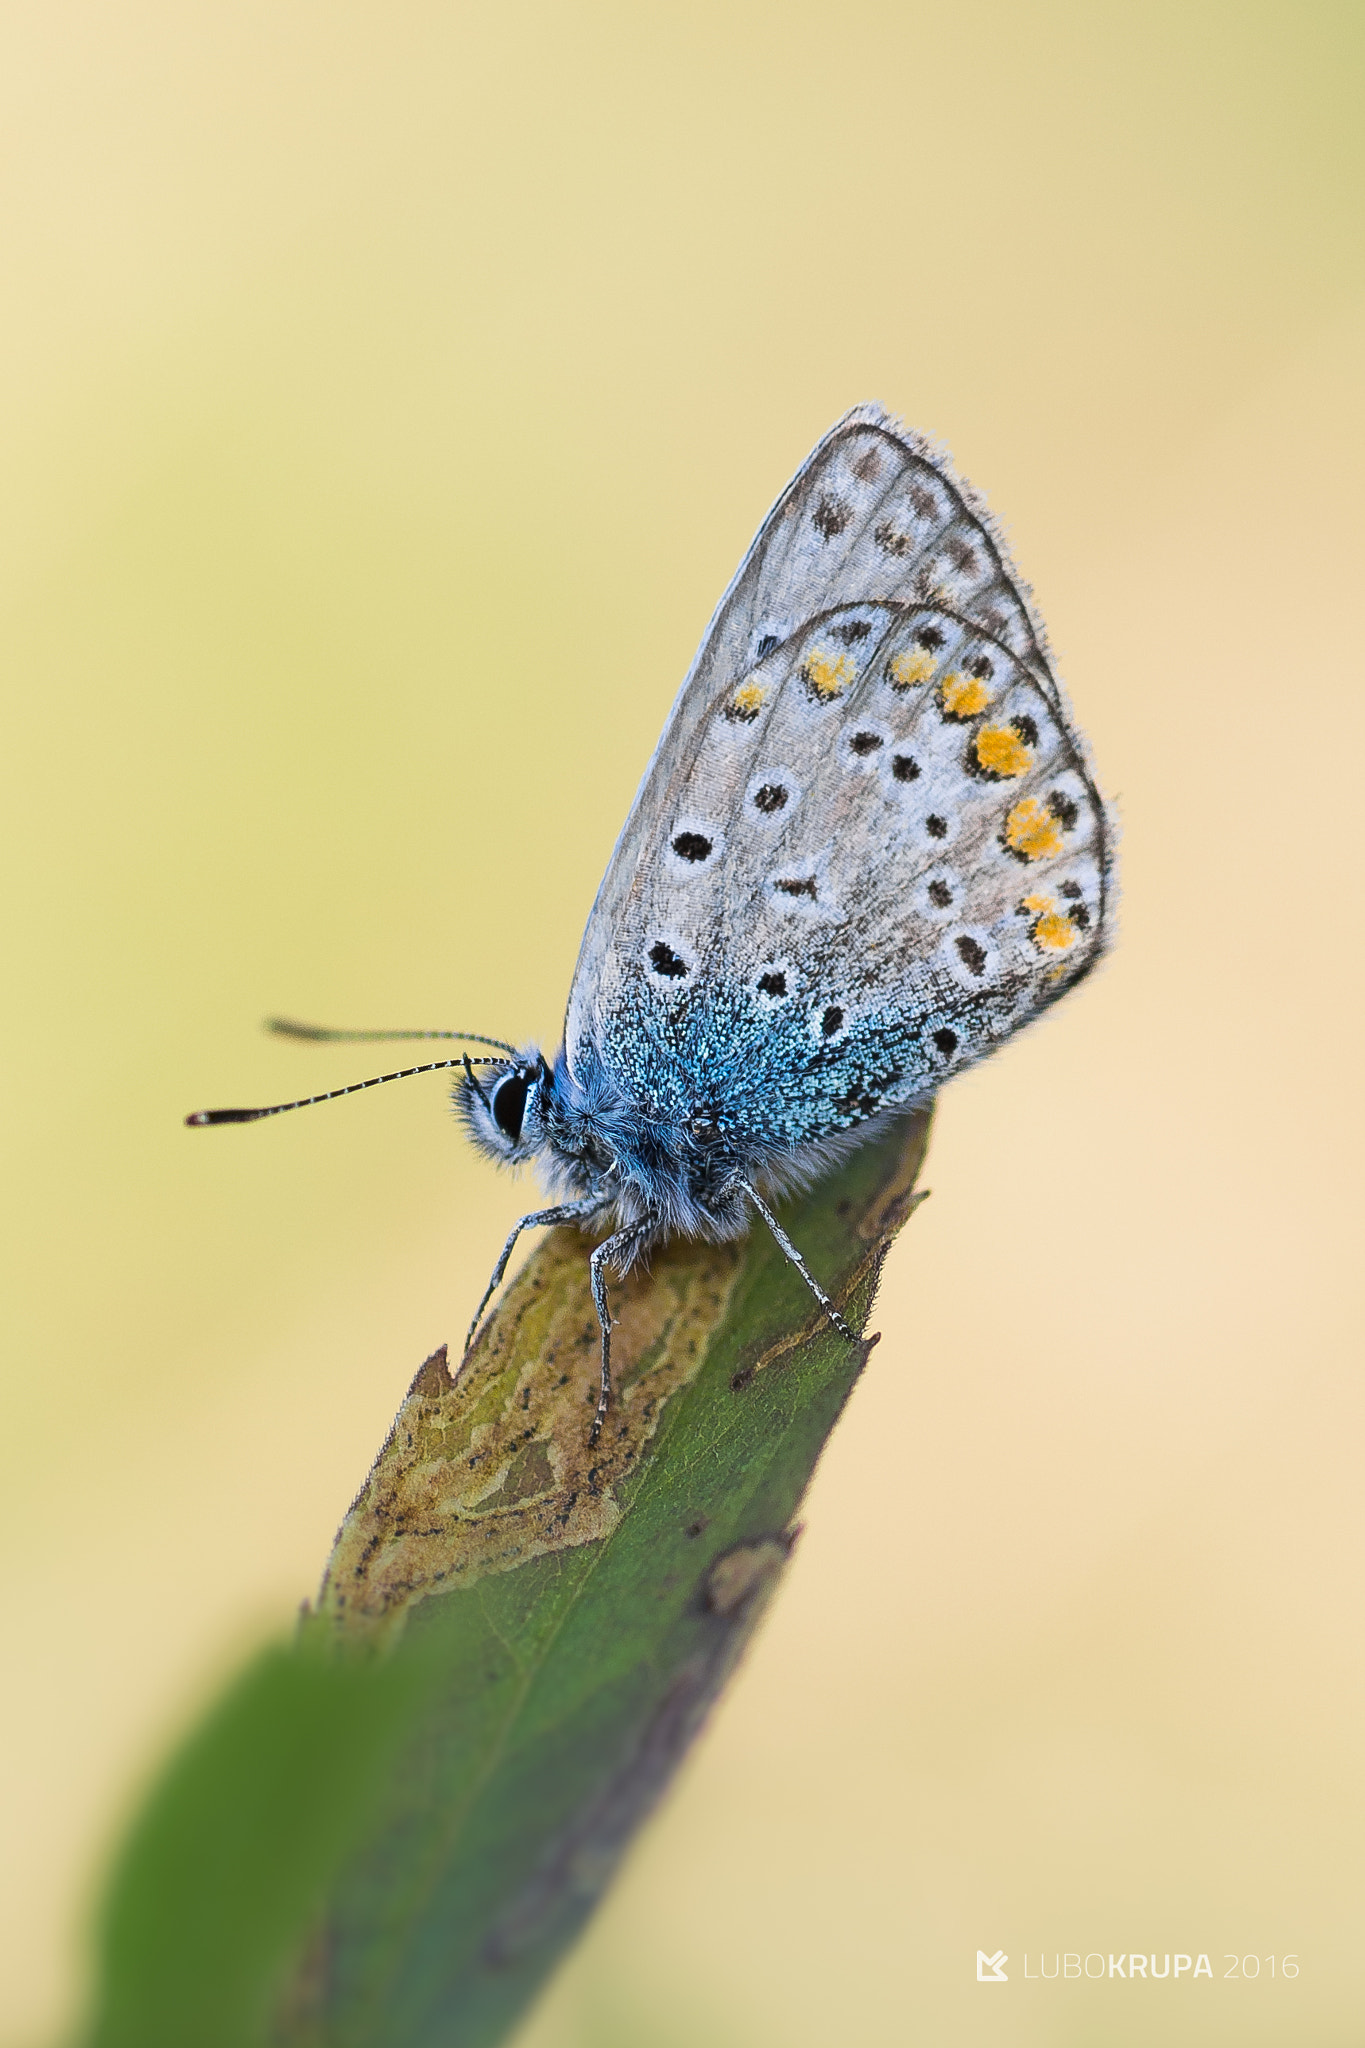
566,1212
793,1257
617,1250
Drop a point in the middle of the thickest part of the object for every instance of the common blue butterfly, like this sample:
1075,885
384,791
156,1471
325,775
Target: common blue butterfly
868,848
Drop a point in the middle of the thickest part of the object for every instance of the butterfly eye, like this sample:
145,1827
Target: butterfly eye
509,1103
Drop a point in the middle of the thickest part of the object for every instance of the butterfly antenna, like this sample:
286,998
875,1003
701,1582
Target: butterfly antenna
469,1075
251,1116
289,1027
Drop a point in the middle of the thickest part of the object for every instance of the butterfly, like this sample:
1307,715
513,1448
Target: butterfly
868,849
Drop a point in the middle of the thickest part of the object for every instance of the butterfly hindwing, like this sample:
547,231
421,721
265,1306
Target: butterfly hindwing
868,847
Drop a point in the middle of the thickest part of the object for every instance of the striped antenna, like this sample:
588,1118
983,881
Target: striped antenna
287,1027
202,1117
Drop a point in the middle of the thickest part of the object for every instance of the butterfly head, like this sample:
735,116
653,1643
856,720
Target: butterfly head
502,1106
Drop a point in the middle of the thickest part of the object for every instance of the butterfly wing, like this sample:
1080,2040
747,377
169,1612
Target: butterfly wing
868,846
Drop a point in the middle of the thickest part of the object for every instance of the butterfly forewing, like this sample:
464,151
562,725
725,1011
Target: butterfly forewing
868,847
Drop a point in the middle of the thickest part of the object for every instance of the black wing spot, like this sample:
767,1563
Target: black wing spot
924,502
1026,729
801,885
868,466
1072,889
770,798
891,542
940,894
905,768
972,955
931,638
766,645
961,556
831,516
692,846
865,742
936,827
1062,809
665,961
1080,917
851,631
773,983
831,1020
946,1042
982,667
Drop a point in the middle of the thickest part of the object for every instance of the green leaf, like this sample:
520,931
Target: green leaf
385,1836
234,1849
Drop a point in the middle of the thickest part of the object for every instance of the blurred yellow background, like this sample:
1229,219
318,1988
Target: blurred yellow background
388,395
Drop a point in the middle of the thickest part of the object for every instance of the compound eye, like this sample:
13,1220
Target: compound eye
509,1104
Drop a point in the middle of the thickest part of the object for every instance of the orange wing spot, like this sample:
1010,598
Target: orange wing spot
1038,904
829,675
1000,750
1032,831
1053,932
963,696
747,701
907,670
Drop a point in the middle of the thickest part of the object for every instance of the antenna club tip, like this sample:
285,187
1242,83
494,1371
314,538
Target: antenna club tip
198,1116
